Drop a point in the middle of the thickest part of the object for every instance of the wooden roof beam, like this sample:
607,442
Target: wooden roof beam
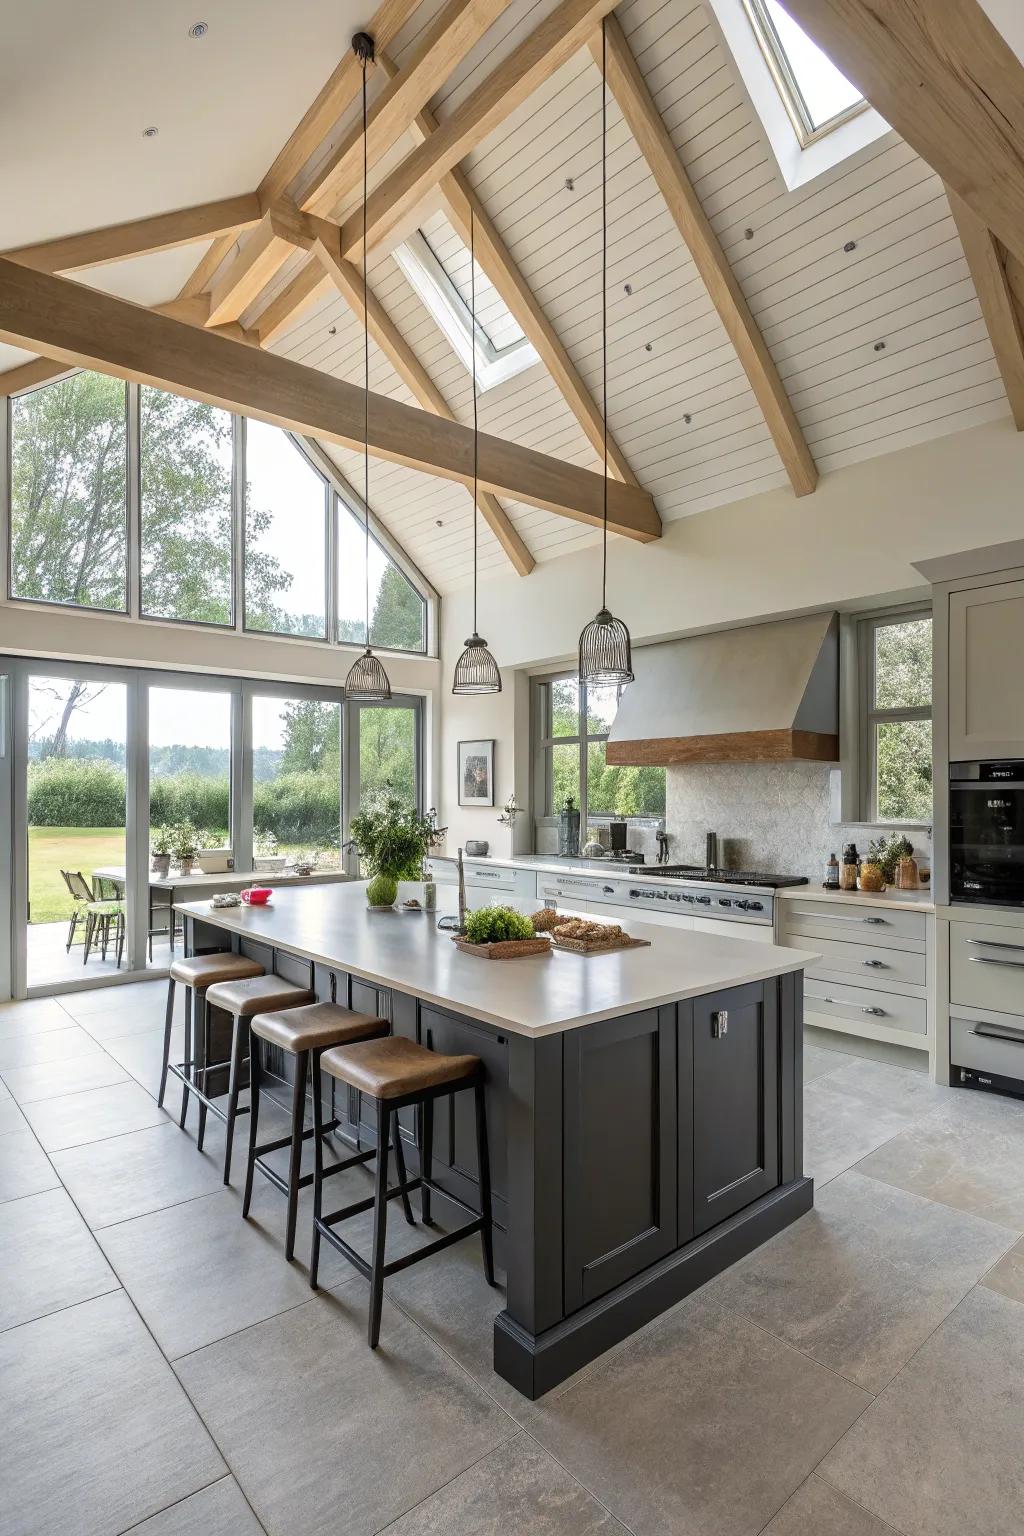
281,230
89,329
628,86
160,232
946,79
440,48
285,307
987,261
562,33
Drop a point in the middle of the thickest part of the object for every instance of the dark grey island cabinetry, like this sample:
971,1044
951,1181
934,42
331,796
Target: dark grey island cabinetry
644,1108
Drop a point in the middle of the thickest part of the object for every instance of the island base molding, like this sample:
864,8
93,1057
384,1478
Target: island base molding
536,1363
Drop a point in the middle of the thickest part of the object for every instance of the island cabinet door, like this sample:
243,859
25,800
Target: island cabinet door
454,1145
619,1139
736,1117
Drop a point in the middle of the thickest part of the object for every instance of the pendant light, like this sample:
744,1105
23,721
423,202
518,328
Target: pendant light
476,670
367,678
605,653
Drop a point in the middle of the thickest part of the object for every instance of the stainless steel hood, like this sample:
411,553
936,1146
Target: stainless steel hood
766,693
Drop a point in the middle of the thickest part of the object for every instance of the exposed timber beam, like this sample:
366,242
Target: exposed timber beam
285,307
161,232
987,261
458,200
945,78
205,268
348,281
41,370
440,47
560,35
628,86
89,329
280,231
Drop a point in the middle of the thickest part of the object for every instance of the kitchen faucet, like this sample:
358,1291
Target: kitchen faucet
458,924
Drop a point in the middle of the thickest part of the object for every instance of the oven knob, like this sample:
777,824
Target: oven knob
661,895
609,890
755,906
674,896
724,901
742,904
705,901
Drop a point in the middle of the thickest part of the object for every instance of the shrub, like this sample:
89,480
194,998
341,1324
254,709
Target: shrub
492,925
190,797
298,807
75,792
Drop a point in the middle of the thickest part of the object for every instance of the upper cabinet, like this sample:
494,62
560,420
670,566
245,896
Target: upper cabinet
986,679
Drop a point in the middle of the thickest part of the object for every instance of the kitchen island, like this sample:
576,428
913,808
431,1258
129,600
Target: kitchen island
644,1107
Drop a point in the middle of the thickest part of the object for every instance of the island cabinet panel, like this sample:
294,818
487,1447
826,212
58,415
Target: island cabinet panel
619,1135
454,1145
736,1101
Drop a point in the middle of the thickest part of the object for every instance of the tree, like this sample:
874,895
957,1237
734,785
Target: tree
903,748
397,613
311,741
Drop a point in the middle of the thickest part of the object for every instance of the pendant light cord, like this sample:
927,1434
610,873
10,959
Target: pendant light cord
476,453
604,299
366,379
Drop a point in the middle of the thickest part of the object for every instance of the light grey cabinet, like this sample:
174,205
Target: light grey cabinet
986,680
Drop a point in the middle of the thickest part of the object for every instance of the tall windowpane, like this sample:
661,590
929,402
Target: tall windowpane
903,665
397,611
190,767
69,493
387,752
575,723
285,536
296,771
186,452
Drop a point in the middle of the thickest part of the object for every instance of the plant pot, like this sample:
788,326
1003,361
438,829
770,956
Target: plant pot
185,866
266,863
871,877
161,865
381,893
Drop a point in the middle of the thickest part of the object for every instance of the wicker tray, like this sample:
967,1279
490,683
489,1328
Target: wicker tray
589,947
505,949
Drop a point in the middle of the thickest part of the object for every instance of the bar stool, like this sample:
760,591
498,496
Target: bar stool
242,1000
196,973
396,1072
304,1033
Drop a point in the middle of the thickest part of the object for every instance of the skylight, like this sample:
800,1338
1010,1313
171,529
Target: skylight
436,262
817,97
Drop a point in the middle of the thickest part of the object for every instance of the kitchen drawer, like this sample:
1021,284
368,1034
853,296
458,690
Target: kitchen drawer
868,962
987,1047
816,919
514,882
670,918
986,966
860,1005
756,933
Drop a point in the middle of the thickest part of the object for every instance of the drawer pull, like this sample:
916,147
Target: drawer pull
1014,965
876,920
878,1013
876,965
994,944
983,1034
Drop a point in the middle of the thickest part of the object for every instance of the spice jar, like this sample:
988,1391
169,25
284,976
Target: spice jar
907,873
831,880
848,868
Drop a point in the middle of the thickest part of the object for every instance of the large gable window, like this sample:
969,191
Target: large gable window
287,504
398,614
817,97
69,484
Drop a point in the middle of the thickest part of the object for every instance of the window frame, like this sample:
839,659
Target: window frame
781,71
870,715
330,495
544,740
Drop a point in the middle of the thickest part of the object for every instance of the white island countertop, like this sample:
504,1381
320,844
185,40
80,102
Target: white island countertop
535,995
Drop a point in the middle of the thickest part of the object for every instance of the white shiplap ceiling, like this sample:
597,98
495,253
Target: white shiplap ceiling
823,310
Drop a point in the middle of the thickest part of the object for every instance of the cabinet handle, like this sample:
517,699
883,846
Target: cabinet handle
719,1024
983,1034
878,1013
876,965
994,944
1014,965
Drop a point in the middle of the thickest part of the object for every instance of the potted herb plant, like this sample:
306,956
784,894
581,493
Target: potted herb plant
186,846
392,841
266,855
163,846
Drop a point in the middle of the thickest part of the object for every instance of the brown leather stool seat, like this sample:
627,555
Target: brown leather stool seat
395,1073
257,994
305,1033
197,973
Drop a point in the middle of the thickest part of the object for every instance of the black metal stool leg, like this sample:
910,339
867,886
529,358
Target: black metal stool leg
202,1047
239,1031
318,1170
254,1118
426,1158
380,1223
187,1057
168,1026
295,1156
484,1170
400,1169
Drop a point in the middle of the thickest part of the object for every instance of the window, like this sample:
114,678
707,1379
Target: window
296,773
388,750
574,722
896,662
186,456
286,502
69,482
817,97
190,737
436,262
398,614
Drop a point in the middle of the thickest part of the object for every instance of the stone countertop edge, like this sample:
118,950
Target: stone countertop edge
914,901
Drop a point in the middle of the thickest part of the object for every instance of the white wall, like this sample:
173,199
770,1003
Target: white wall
771,555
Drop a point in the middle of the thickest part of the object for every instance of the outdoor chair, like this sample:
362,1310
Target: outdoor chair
103,917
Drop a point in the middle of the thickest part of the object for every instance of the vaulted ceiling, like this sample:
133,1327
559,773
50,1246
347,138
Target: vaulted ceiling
757,336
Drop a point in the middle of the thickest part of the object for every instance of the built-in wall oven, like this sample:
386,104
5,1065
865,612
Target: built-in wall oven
986,833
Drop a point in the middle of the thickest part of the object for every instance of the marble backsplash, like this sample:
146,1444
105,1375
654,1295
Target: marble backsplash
770,816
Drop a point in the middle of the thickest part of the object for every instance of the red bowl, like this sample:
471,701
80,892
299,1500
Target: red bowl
257,895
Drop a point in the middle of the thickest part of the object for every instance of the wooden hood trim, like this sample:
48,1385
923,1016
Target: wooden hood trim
784,746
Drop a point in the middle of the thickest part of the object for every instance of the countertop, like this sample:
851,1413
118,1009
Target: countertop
536,995
917,901
200,880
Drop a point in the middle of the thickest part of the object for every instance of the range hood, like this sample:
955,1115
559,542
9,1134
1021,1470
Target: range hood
764,694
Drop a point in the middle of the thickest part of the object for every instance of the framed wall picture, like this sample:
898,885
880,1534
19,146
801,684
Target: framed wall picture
476,772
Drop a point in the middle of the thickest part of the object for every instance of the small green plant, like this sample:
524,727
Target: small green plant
382,890
492,925
163,840
887,852
264,843
187,842
391,838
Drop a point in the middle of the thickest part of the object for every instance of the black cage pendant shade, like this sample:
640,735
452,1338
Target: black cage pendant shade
476,670
367,678
605,650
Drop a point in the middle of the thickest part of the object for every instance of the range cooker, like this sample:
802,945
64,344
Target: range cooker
745,896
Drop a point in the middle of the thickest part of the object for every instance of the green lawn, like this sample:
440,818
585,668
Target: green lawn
51,849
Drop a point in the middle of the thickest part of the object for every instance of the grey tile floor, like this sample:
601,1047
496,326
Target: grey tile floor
165,1373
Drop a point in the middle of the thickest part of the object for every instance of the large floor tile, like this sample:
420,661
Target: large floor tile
198,1272
327,1435
33,1015
220,1510
48,1259
138,1017
11,1117
863,1279
819,1063
76,1118
144,1171
939,1452
515,1491
141,1055
25,1168
967,1155
123,995
98,1433
817,1509
701,1423
850,1112
29,1048
1007,1277
53,1079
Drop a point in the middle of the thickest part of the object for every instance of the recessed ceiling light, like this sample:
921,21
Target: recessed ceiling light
198,29
150,133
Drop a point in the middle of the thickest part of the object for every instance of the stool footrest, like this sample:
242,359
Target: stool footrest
325,1228
286,1141
183,1074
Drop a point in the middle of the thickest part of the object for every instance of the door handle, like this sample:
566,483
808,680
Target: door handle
1014,965
876,965
995,944
983,1034
878,1013
719,1024
883,920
